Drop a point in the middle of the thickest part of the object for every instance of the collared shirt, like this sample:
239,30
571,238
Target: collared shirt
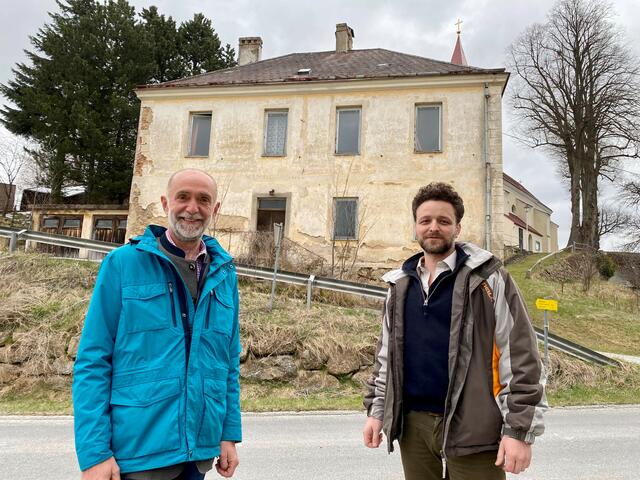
200,258
448,264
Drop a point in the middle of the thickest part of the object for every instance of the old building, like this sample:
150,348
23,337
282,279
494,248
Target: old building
334,144
529,226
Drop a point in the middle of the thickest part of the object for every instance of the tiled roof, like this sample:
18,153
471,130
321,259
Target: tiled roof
521,223
520,187
374,63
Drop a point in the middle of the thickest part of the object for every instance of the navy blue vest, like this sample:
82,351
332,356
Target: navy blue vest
427,327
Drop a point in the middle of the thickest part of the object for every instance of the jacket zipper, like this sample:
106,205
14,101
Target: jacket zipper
173,305
445,427
206,318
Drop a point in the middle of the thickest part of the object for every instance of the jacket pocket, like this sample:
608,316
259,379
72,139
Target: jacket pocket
145,418
146,307
219,314
215,411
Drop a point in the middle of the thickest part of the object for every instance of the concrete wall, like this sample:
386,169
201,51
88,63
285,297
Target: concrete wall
384,176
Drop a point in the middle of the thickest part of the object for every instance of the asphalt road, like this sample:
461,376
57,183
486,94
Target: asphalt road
580,444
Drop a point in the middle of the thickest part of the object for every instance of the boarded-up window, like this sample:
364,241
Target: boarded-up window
428,128
348,131
200,134
345,215
275,133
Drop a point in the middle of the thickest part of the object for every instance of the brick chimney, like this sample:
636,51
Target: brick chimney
249,50
344,37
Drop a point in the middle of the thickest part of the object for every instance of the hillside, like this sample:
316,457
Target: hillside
606,318
293,358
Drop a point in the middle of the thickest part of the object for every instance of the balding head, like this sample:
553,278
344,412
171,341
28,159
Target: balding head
189,174
190,203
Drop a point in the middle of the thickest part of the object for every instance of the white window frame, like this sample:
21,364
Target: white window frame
337,200
418,106
266,131
190,150
348,109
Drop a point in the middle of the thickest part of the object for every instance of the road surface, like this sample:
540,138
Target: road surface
580,444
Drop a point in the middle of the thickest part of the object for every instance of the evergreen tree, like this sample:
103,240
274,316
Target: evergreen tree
163,32
75,96
200,47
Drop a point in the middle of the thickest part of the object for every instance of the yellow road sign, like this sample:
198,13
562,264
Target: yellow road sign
546,304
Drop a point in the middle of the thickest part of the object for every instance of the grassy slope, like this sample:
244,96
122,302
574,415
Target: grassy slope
39,301
606,318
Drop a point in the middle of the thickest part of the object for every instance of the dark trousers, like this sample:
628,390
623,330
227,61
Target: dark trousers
189,472
420,448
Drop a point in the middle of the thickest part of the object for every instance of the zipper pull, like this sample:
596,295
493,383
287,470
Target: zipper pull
171,288
444,467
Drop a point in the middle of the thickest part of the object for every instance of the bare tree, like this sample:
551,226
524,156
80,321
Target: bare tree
576,91
612,220
630,199
14,160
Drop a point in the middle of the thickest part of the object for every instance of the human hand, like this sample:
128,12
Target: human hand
514,456
107,470
372,433
228,459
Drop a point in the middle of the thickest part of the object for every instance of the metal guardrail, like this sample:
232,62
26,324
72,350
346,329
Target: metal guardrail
575,349
310,281
58,240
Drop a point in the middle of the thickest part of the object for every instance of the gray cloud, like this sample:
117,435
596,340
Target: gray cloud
420,27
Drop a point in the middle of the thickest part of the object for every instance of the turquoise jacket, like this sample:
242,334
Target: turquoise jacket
135,395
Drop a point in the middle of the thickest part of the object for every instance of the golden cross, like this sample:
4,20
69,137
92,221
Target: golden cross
458,25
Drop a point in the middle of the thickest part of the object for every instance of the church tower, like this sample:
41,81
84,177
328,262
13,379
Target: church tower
458,57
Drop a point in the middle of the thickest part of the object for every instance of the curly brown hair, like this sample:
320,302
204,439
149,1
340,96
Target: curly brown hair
439,191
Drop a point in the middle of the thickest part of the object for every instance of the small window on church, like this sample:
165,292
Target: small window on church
513,209
200,134
428,137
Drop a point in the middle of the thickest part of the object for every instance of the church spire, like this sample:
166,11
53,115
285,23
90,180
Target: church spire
458,57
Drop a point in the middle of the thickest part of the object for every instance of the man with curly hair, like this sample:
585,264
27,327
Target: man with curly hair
458,380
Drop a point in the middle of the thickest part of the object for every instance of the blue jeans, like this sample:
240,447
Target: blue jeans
190,472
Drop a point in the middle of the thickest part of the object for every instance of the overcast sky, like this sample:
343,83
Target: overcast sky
420,27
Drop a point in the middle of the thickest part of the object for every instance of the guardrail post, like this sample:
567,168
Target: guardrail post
13,242
546,342
309,288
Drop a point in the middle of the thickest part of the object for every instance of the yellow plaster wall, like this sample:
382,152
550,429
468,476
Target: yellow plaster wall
384,176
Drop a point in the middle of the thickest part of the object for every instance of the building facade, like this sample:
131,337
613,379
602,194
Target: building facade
528,226
334,145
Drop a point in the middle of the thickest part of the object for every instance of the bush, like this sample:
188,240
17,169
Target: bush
606,266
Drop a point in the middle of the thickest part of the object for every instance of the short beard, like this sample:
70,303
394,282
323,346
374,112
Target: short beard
186,233
438,249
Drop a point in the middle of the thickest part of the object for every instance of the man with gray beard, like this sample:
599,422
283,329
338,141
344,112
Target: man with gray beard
156,393
458,380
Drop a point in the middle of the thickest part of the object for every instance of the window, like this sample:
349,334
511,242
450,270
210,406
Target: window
275,133
51,223
271,210
200,134
71,223
538,246
345,215
348,131
428,120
